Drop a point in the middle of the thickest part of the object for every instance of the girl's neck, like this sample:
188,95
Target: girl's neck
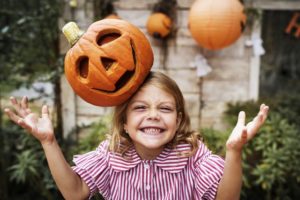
148,154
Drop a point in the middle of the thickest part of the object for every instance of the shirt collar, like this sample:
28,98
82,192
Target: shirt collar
168,160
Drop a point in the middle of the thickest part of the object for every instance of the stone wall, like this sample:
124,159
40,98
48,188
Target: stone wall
234,75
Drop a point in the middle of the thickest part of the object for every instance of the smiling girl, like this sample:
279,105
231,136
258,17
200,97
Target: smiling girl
152,152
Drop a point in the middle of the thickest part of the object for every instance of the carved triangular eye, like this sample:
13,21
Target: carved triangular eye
106,38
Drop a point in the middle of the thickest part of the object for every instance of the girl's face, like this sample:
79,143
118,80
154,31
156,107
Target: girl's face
152,120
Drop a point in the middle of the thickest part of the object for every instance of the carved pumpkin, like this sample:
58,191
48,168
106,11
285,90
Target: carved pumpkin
109,62
215,24
159,25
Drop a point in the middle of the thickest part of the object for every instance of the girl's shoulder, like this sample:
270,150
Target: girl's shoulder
103,147
99,155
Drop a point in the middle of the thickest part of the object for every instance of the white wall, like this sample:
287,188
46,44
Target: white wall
234,76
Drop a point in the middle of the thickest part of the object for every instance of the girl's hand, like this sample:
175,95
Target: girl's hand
40,127
242,133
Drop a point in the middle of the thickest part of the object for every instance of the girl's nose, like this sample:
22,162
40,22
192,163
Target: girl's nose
153,114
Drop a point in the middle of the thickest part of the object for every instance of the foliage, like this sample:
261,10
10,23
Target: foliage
276,152
288,105
28,53
26,168
25,165
233,109
28,42
96,134
271,161
215,140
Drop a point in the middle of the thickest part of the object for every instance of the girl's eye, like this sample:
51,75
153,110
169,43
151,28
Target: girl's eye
140,107
166,109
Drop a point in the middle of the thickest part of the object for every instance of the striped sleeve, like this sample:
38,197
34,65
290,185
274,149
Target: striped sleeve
93,168
208,172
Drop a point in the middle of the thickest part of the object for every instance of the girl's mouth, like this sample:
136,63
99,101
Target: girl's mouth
152,131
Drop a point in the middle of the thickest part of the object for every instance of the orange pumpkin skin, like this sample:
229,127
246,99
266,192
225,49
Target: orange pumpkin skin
159,25
109,62
216,24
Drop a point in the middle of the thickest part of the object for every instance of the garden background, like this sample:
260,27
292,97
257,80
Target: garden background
31,63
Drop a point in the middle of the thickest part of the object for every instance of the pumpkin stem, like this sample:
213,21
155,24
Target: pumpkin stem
72,32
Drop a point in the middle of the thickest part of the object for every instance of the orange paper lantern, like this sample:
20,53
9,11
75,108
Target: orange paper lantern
159,25
216,24
109,62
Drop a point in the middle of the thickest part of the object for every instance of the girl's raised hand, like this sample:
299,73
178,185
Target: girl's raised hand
39,126
242,133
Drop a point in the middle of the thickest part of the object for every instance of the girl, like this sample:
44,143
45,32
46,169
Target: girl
151,154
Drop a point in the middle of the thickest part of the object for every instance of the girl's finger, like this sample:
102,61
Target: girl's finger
259,118
265,112
17,106
244,136
257,122
15,103
12,115
24,103
262,106
45,111
241,118
262,114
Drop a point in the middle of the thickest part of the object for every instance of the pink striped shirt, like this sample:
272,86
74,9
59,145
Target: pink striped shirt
166,177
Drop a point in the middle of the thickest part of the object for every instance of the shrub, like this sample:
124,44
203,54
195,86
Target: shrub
271,167
215,140
25,169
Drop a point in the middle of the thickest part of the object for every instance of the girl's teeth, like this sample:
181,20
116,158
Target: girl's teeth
152,130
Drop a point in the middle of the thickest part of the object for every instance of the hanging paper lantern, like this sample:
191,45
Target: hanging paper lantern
216,24
108,62
159,25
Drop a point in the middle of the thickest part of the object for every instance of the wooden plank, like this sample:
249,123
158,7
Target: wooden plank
68,107
273,4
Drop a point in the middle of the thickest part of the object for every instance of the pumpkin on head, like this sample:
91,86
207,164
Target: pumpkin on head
109,62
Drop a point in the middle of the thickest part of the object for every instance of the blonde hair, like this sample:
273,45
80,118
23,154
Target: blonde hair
120,141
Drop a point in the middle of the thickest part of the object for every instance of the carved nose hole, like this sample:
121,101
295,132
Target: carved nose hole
83,67
107,62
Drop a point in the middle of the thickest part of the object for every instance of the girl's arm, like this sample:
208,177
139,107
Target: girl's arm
231,182
68,182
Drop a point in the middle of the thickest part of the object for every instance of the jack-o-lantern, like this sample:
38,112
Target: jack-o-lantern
216,24
109,62
159,25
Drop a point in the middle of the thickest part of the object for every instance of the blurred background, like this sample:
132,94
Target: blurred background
225,58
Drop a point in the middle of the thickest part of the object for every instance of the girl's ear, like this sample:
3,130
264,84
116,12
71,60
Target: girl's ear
125,127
